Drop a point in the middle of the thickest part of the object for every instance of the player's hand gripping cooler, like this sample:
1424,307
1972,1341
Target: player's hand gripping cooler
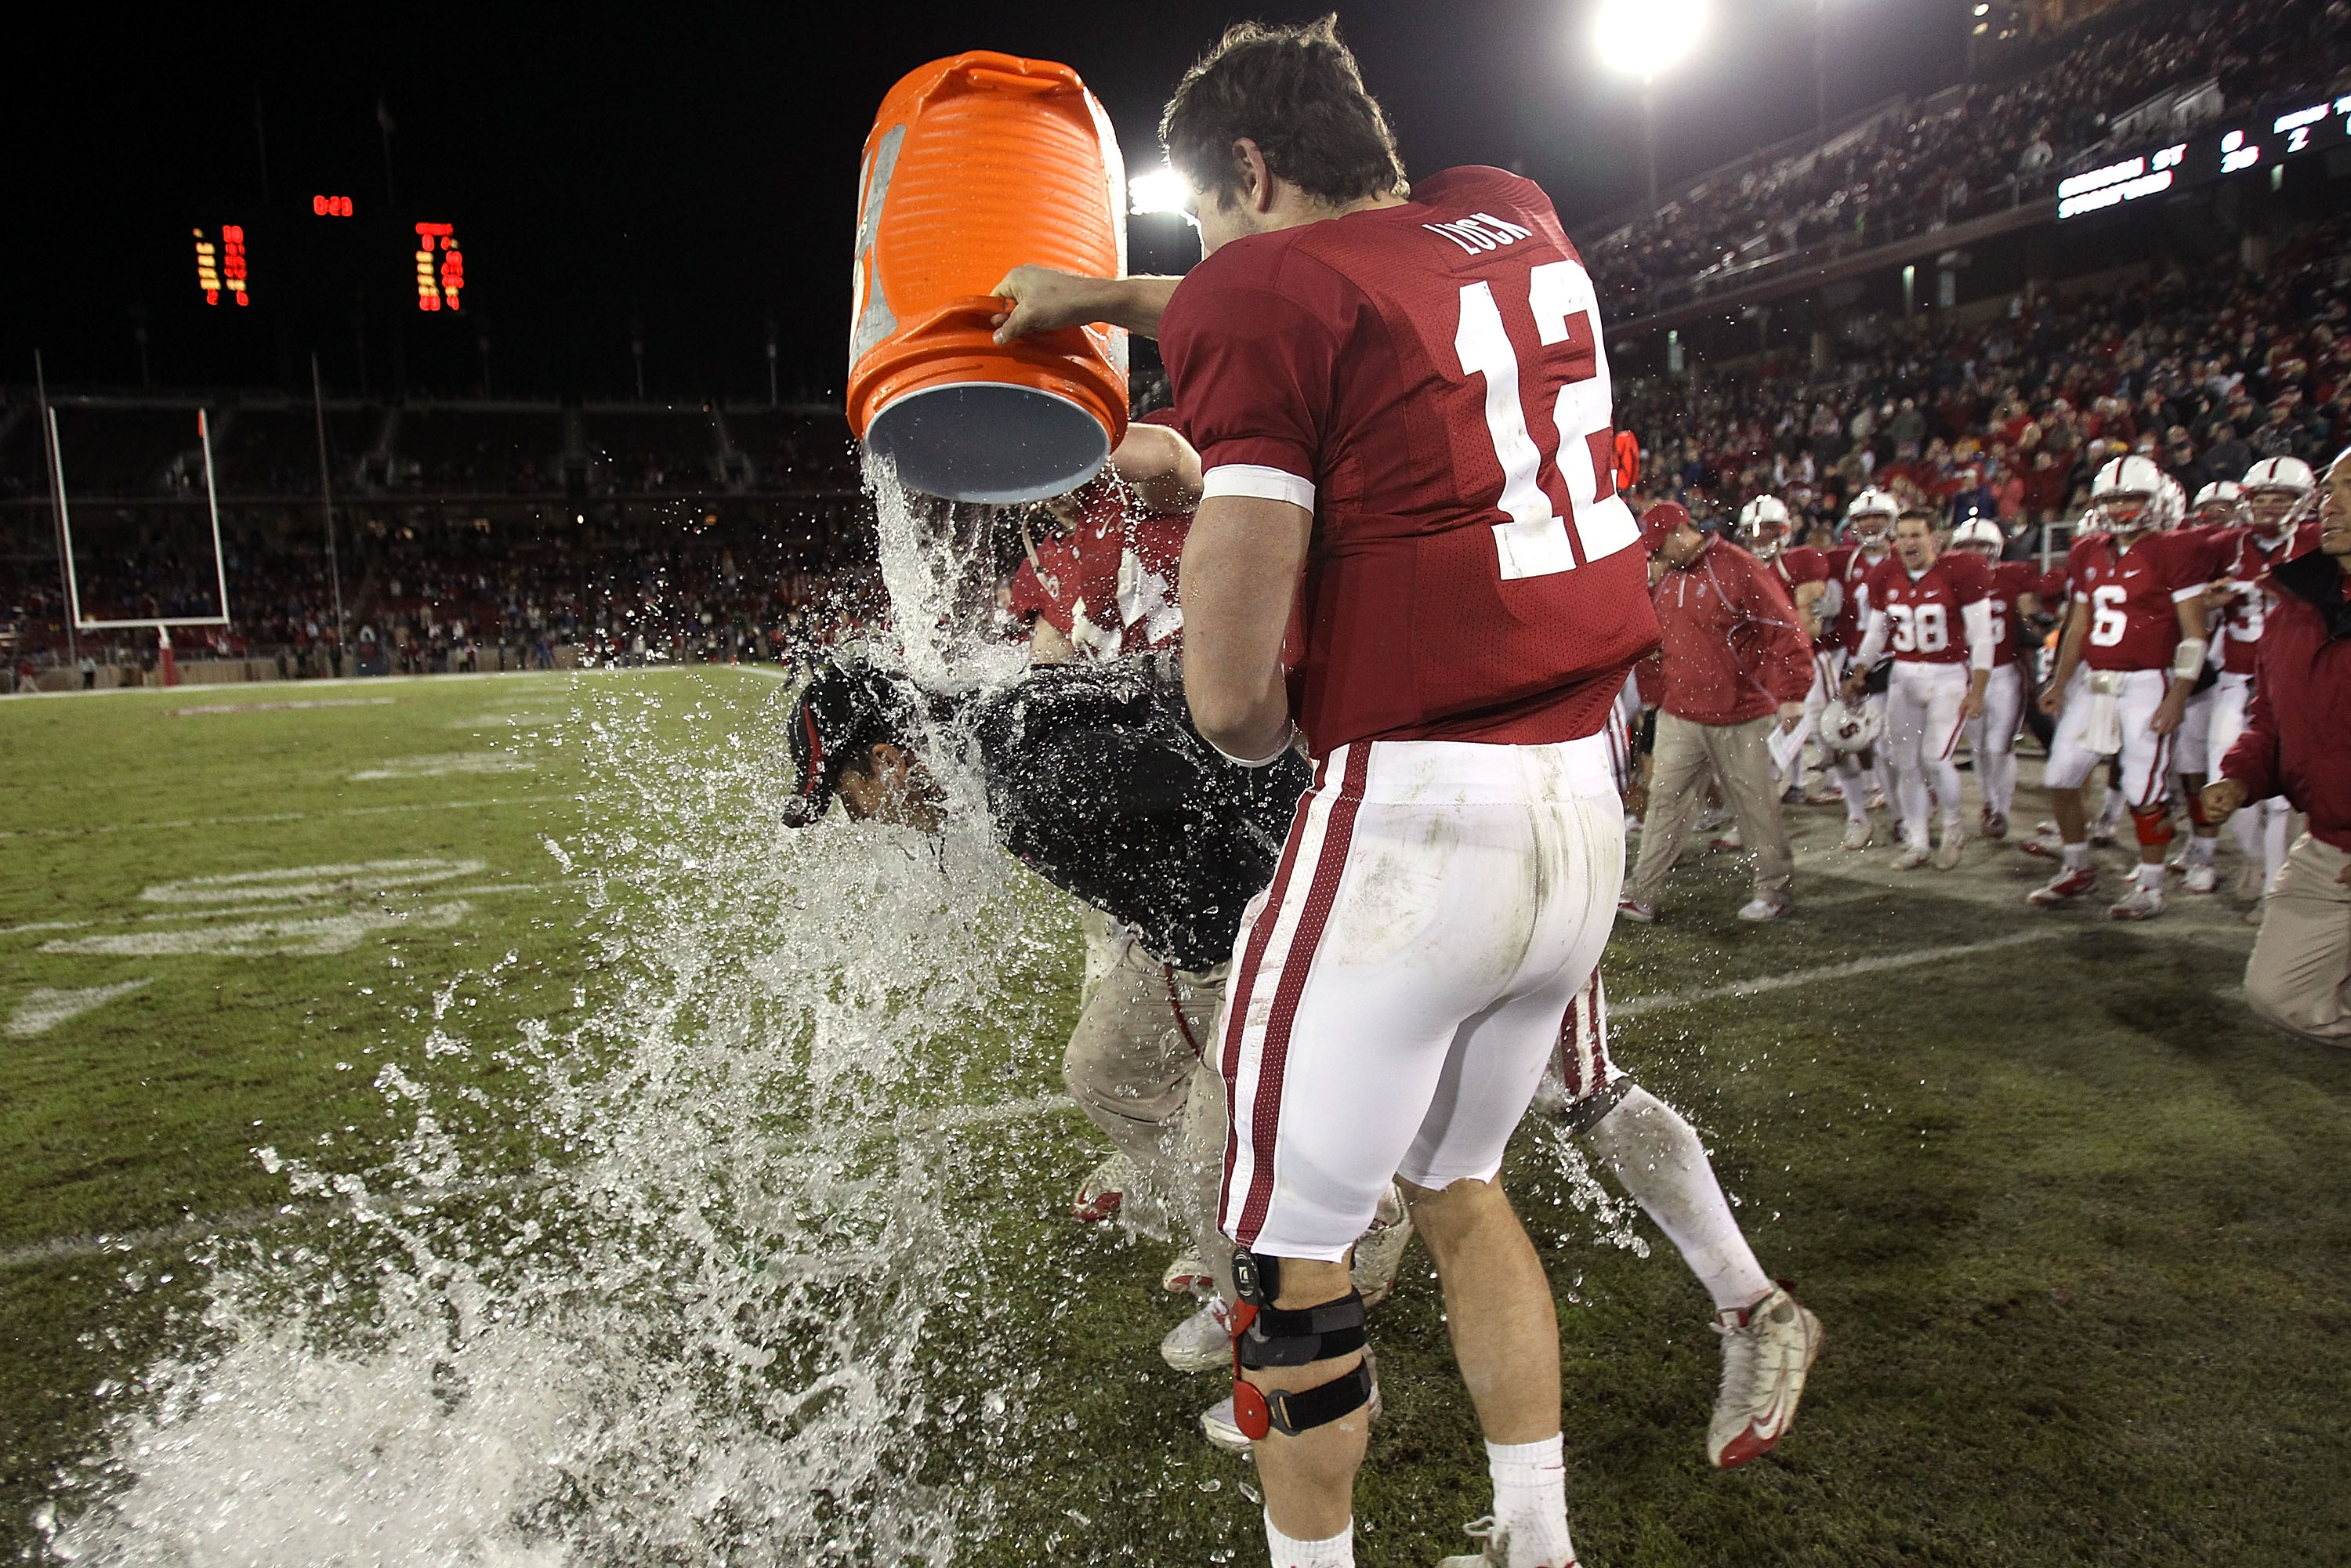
975,165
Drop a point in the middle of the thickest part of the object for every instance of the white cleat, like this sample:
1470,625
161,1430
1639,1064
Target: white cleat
1103,1192
1912,857
1766,1352
1201,1343
1185,1274
1223,1429
1379,1251
1954,844
2141,902
1857,835
1763,909
2202,878
1876,801
1494,1548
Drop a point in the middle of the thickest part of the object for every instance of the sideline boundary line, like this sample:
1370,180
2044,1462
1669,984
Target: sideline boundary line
956,1118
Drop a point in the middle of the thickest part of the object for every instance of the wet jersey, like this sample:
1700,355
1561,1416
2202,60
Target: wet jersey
2133,594
1924,622
1429,381
1108,585
2010,579
1098,781
2247,573
1800,566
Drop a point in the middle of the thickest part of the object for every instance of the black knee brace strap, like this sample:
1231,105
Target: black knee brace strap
1269,1336
1257,1412
1586,1113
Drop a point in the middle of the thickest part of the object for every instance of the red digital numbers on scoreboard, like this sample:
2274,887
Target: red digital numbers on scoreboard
440,267
220,267
331,206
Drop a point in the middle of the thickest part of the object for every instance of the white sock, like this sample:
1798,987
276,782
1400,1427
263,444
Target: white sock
2077,855
1337,1551
2150,877
1657,1160
1530,1501
2199,850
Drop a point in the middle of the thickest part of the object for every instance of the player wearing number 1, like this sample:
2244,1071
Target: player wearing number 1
1401,403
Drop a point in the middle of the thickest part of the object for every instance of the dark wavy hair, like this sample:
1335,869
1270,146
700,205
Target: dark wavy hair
1297,93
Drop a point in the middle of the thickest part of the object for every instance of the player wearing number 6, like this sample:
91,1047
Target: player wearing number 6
2133,649
1933,613
1401,402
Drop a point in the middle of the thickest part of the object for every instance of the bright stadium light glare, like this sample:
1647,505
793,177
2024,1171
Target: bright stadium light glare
1646,37
1160,191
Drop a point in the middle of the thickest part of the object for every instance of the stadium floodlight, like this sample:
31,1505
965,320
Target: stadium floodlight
1648,38
1644,38
1160,191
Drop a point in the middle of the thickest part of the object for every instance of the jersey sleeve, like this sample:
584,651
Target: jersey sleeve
2189,563
1255,370
1972,580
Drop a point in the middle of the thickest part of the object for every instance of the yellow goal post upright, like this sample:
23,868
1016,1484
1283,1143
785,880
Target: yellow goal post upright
161,625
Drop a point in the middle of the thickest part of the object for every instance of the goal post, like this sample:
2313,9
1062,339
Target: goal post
160,625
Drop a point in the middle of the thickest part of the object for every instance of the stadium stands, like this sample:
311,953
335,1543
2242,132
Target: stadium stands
1966,152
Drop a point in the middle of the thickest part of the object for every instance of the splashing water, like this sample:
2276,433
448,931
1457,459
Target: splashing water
938,562
725,1313
1613,1217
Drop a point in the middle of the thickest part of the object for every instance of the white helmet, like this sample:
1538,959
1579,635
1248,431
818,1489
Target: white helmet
1851,727
1979,531
2220,504
1764,525
2131,494
1872,503
2175,504
2290,475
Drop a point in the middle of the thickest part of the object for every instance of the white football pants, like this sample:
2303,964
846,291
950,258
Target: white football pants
2260,828
2077,745
1991,737
1922,718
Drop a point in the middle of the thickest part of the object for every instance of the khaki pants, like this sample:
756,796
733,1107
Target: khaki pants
1133,1067
2299,977
1737,754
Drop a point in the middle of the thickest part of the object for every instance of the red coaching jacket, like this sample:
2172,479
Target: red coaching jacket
1734,647
2304,674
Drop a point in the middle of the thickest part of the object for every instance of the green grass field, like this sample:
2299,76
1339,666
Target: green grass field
646,1115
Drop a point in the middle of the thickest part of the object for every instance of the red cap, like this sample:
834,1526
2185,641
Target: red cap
1659,521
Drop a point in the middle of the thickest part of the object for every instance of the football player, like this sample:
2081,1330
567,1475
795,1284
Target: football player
1764,527
1991,735
2277,494
1107,585
1870,517
2132,647
1932,611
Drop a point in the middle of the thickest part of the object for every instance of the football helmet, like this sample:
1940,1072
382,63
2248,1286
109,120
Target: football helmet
1764,526
2221,504
1851,727
2279,491
2132,496
1872,513
1979,533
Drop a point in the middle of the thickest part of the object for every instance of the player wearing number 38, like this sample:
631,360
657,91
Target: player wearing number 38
1401,403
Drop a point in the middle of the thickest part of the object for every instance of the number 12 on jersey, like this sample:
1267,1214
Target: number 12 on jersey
1537,541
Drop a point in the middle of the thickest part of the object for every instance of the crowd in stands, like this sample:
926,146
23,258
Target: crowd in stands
2206,373
1993,147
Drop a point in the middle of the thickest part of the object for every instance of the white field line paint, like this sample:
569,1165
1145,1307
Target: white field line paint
364,878
266,707
297,938
448,679
1633,1007
47,926
445,763
279,817
43,1009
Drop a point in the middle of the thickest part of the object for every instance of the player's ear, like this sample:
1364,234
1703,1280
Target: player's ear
1248,166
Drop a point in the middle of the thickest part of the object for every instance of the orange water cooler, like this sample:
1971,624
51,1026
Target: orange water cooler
975,165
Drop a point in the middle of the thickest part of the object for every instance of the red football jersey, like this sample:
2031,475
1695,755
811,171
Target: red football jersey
1116,574
2132,594
1428,380
1851,568
1802,565
2010,579
2248,572
1924,622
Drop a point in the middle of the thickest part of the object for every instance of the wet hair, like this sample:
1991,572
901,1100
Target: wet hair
1297,93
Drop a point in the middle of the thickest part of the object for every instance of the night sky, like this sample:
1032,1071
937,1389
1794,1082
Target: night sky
692,168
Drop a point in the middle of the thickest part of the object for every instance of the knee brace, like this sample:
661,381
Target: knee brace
2152,823
1266,1335
1581,1116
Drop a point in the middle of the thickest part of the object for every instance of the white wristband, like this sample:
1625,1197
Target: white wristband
2188,659
1289,736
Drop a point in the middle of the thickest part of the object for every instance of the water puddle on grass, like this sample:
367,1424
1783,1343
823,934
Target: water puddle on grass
726,1296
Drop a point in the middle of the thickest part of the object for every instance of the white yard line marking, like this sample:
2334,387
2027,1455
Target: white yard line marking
43,1009
279,817
1633,1007
47,926
261,707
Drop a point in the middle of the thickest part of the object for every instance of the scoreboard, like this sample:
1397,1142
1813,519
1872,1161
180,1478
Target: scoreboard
223,261
2212,154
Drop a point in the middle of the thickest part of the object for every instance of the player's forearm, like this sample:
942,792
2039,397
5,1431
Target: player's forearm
1241,561
1136,303
2069,646
1161,466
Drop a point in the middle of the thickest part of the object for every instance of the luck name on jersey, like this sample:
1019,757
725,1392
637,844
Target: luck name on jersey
1427,379
1923,620
2133,595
